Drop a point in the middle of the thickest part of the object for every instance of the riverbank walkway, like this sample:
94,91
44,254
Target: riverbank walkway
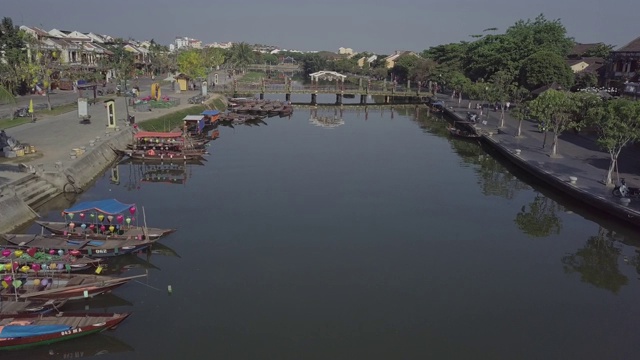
55,137
578,154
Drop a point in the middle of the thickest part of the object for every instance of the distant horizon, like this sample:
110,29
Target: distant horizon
310,26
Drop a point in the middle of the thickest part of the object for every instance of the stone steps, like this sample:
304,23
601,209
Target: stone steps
34,191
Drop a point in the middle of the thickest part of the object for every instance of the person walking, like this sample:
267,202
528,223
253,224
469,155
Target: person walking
508,104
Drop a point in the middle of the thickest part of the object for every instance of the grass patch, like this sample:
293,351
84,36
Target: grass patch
219,105
9,123
58,110
170,121
252,77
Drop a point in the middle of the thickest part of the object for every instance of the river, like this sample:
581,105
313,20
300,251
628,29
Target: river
378,237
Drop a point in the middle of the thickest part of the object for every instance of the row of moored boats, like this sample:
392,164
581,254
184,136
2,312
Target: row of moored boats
41,273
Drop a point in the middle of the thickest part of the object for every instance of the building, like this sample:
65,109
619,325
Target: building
187,43
345,51
624,64
390,61
369,60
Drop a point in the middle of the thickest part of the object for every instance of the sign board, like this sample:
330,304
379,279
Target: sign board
83,109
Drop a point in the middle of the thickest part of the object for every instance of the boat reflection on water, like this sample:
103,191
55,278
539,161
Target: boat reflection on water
141,260
104,303
85,347
139,172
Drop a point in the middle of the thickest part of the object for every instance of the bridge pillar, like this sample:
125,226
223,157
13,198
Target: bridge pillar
338,99
363,99
287,97
313,99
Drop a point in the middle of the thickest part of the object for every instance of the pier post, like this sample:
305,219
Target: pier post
338,99
261,96
287,97
386,99
313,99
363,99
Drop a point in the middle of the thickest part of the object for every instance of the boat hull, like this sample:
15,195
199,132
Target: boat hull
87,247
59,228
95,323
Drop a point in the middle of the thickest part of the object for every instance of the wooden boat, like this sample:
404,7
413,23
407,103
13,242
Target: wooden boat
23,331
463,134
30,306
59,286
96,214
163,155
464,129
41,261
88,247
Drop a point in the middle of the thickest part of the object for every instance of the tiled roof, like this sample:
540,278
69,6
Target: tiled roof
633,46
579,49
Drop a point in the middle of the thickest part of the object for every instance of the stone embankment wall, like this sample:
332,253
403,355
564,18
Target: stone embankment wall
14,212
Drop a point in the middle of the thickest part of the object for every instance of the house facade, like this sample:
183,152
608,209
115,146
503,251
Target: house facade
624,64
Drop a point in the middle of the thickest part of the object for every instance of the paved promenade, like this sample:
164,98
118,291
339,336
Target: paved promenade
579,155
55,137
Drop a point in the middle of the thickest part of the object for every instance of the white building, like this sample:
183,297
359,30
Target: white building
345,51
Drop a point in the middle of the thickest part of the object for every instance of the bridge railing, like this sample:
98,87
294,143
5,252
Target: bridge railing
281,88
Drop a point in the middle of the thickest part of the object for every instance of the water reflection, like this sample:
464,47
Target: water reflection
139,173
597,262
540,217
105,303
85,347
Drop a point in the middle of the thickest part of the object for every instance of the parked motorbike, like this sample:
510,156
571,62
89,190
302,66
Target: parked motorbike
21,112
623,190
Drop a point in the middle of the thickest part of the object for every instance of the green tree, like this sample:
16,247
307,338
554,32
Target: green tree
544,68
597,262
618,124
192,64
541,218
501,83
313,63
213,57
122,63
403,66
521,112
585,80
421,70
458,82
552,109
14,55
241,56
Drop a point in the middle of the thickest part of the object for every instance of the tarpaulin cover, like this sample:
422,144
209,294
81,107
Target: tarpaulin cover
18,331
151,134
210,112
107,206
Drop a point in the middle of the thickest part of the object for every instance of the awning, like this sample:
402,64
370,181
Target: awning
151,134
210,112
192,118
108,206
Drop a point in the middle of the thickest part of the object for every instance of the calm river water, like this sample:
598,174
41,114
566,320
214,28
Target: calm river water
378,238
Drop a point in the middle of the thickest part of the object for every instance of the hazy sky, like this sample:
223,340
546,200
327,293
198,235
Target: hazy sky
376,26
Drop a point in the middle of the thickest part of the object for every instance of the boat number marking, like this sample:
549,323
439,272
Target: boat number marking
70,332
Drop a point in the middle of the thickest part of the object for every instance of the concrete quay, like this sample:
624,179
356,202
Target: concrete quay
579,169
30,181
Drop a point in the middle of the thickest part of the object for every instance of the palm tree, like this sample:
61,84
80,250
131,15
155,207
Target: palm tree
241,56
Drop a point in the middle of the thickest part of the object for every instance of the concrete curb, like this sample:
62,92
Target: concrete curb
564,185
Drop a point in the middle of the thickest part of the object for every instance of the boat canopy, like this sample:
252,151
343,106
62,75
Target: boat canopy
151,134
107,206
210,112
192,118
